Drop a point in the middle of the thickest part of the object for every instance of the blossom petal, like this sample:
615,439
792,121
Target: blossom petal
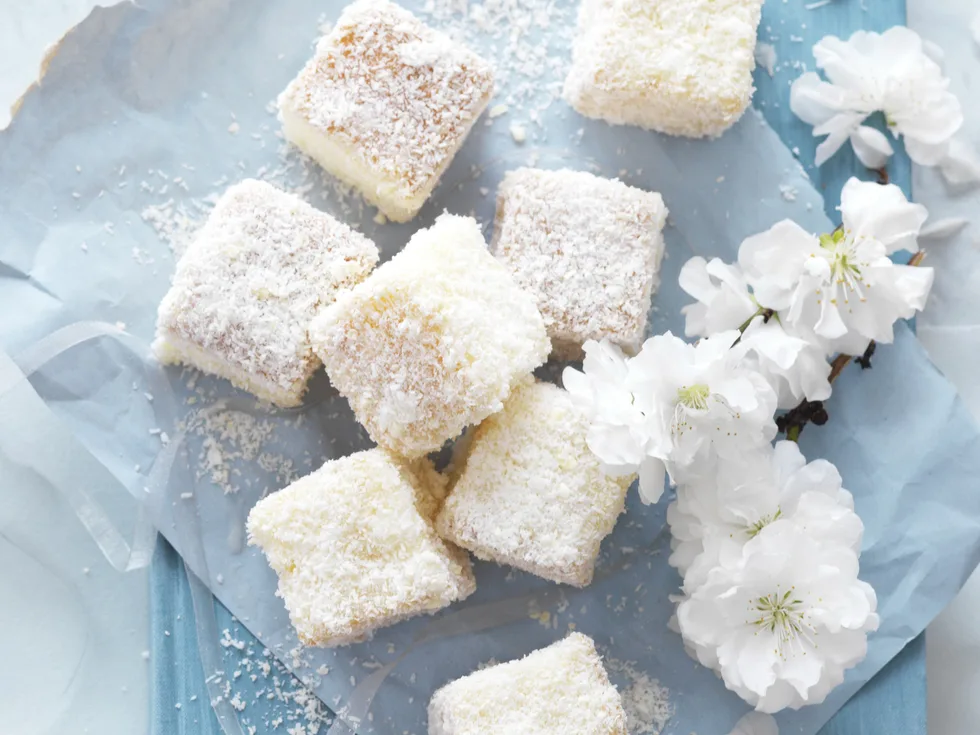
924,153
653,474
961,165
934,51
757,660
915,282
883,213
614,446
871,146
846,63
724,301
773,262
830,324
771,340
837,129
579,387
738,392
815,101
694,279
897,45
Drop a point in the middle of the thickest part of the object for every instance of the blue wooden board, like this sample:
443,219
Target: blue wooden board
894,701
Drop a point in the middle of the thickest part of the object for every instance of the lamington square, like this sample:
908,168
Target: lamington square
433,341
531,494
243,294
682,67
385,103
355,550
562,689
588,248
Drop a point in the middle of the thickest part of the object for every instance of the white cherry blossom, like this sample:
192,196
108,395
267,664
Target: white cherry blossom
701,403
842,286
783,623
723,299
713,518
790,358
871,72
616,430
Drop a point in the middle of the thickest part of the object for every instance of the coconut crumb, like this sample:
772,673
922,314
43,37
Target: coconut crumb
646,701
230,438
765,56
528,39
276,698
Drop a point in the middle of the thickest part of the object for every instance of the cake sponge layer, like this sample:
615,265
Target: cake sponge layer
530,493
559,690
433,341
355,550
682,67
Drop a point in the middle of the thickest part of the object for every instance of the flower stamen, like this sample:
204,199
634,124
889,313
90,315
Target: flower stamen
839,249
694,397
783,616
764,521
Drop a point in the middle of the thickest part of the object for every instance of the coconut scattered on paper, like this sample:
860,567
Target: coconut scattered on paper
646,701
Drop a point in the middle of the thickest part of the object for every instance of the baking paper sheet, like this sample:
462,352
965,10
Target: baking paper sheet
950,331
145,111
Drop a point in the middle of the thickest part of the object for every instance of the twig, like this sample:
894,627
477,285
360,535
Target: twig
837,367
865,360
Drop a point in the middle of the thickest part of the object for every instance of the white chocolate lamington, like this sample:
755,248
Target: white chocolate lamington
243,295
588,248
355,550
682,67
433,341
559,690
531,493
385,104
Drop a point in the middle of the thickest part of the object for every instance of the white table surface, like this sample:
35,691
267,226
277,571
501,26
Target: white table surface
83,633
